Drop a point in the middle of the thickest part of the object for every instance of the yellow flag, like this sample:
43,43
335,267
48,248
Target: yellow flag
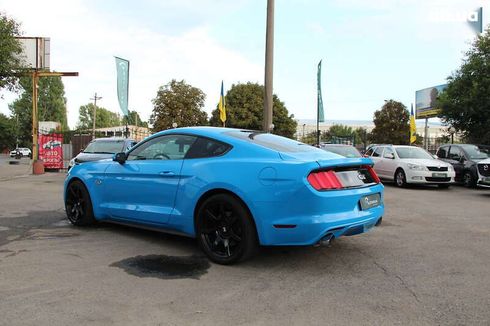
222,106
413,128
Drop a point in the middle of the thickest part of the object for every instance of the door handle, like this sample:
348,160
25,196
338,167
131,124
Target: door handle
167,174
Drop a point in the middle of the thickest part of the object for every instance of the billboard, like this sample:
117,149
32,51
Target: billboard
51,151
425,102
35,52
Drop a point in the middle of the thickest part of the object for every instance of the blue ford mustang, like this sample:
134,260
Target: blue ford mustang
231,189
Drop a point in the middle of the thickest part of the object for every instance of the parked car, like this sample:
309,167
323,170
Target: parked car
102,148
464,158
231,189
52,144
410,164
22,150
344,150
483,169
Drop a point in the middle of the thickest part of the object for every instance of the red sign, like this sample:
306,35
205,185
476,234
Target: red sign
51,151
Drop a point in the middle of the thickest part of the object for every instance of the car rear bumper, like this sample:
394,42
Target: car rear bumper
302,223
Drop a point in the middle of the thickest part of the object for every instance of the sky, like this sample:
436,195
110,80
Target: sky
371,50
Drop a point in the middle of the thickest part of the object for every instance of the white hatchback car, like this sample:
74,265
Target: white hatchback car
484,173
410,164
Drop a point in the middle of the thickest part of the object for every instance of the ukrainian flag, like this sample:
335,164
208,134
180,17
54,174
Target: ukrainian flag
222,106
413,127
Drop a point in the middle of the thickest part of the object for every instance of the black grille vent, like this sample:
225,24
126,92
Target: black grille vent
433,179
436,168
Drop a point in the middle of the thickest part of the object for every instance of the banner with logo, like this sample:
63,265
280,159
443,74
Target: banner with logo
51,150
122,68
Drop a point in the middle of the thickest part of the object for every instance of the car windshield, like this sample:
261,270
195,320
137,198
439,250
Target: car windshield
274,142
474,152
346,151
105,147
413,152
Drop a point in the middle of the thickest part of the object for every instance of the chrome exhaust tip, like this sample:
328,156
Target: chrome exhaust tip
326,241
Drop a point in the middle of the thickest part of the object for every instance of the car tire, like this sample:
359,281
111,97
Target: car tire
78,205
379,221
225,230
468,180
400,178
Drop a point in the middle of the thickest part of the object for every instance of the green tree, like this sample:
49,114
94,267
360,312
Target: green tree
7,132
391,124
465,103
51,105
10,51
180,103
362,136
103,117
309,138
134,119
245,109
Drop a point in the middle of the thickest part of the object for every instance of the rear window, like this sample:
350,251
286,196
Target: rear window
205,147
274,142
346,151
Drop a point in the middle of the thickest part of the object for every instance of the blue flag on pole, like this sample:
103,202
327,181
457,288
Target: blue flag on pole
320,115
122,67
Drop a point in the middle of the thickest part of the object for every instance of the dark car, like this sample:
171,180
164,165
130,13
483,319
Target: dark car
341,149
464,158
102,148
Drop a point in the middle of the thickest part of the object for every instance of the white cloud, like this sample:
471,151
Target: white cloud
86,40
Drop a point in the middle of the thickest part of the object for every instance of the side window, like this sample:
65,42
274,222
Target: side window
442,152
389,153
455,153
378,151
169,147
205,147
369,152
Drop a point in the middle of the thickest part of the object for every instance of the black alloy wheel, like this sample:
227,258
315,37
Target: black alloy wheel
78,205
400,178
225,230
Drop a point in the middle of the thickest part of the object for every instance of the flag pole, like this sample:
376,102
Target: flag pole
319,104
410,129
317,124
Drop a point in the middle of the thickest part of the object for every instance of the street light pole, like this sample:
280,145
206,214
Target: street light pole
95,98
269,62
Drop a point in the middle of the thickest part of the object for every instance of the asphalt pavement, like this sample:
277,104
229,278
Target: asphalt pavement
427,264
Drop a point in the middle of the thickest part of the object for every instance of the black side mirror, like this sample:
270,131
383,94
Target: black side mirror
119,157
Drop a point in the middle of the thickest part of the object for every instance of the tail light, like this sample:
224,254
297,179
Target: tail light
349,177
373,174
324,180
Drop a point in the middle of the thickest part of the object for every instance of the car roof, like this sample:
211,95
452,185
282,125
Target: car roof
204,131
337,145
112,139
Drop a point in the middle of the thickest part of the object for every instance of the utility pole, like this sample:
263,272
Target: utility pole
95,98
269,62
